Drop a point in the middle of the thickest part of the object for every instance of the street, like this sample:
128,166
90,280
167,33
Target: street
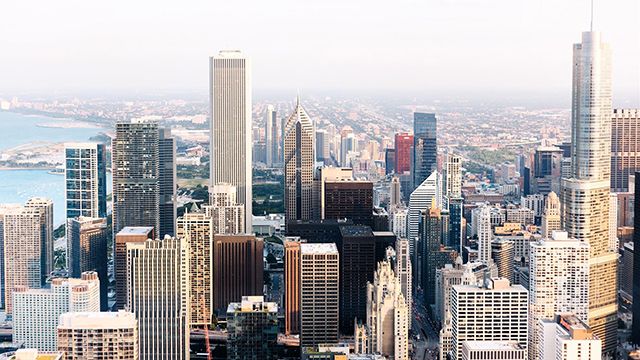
426,347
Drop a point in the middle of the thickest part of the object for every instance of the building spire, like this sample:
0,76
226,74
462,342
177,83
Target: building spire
592,15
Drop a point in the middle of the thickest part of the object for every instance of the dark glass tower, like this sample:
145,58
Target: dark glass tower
424,146
635,328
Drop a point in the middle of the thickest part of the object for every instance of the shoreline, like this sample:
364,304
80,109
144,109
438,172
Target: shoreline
11,168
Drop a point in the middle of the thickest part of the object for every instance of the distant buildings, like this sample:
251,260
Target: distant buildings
86,180
231,122
158,296
87,251
98,335
424,146
319,294
252,325
494,311
271,135
299,154
403,153
36,311
237,269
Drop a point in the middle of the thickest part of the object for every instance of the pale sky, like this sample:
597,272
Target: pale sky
489,47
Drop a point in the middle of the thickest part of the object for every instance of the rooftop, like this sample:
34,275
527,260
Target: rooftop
492,345
356,230
98,320
252,304
320,248
135,230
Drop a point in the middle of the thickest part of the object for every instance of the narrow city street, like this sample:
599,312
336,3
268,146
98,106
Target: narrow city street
426,338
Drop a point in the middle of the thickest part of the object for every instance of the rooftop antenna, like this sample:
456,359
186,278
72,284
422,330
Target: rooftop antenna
591,15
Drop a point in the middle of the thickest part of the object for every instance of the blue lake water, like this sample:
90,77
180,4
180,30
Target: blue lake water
16,186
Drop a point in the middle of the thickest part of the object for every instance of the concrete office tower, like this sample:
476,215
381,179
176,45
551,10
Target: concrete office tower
494,311
403,145
395,196
237,269
551,216
252,326
452,176
271,135
98,335
36,311
404,271
230,94
158,295
349,199
398,219
511,350
87,251
86,179
420,200
292,285
485,234
322,146
128,234
22,251
566,337
558,282
45,207
503,255
167,183
197,228
4,208
387,317
585,195
319,279
228,216
625,148
334,174
299,158
425,147
348,143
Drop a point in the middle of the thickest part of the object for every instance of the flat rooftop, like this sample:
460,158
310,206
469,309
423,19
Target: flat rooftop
135,230
320,248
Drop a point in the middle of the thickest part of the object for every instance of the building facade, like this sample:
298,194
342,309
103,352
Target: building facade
625,148
127,235
86,180
425,146
252,325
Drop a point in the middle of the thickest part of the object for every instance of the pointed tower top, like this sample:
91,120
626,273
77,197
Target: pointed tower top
591,15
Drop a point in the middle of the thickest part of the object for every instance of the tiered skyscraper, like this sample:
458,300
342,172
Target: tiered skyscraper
585,195
299,149
230,96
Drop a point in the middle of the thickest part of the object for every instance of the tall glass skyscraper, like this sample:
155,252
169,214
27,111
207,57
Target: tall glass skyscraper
424,146
585,195
86,180
231,156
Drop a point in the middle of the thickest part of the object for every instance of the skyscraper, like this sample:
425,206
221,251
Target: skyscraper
292,285
86,180
127,235
322,146
167,183
227,215
36,311
421,199
87,251
503,254
403,143
349,199
558,282
271,135
136,184
424,146
299,158
98,336
389,161
197,229
44,207
395,196
237,269
348,143
635,328
585,195
494,311
427,254
551,216
625,147
4,208
158,295
22,251
404,271
253,329
319,279
485,234
230,95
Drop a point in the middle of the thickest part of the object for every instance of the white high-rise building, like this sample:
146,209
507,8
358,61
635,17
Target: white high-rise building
551,215
319,295
494,311
398,218
558,282
585,195
566,337
387,319
452,176
4,208
98,335
271,135
231,123
299,160
419,201
45,207
158,295
36,311
197,229
485,235
228,216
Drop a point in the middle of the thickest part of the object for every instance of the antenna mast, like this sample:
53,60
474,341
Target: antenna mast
591,15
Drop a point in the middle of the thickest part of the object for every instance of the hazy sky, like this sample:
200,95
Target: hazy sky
491,47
